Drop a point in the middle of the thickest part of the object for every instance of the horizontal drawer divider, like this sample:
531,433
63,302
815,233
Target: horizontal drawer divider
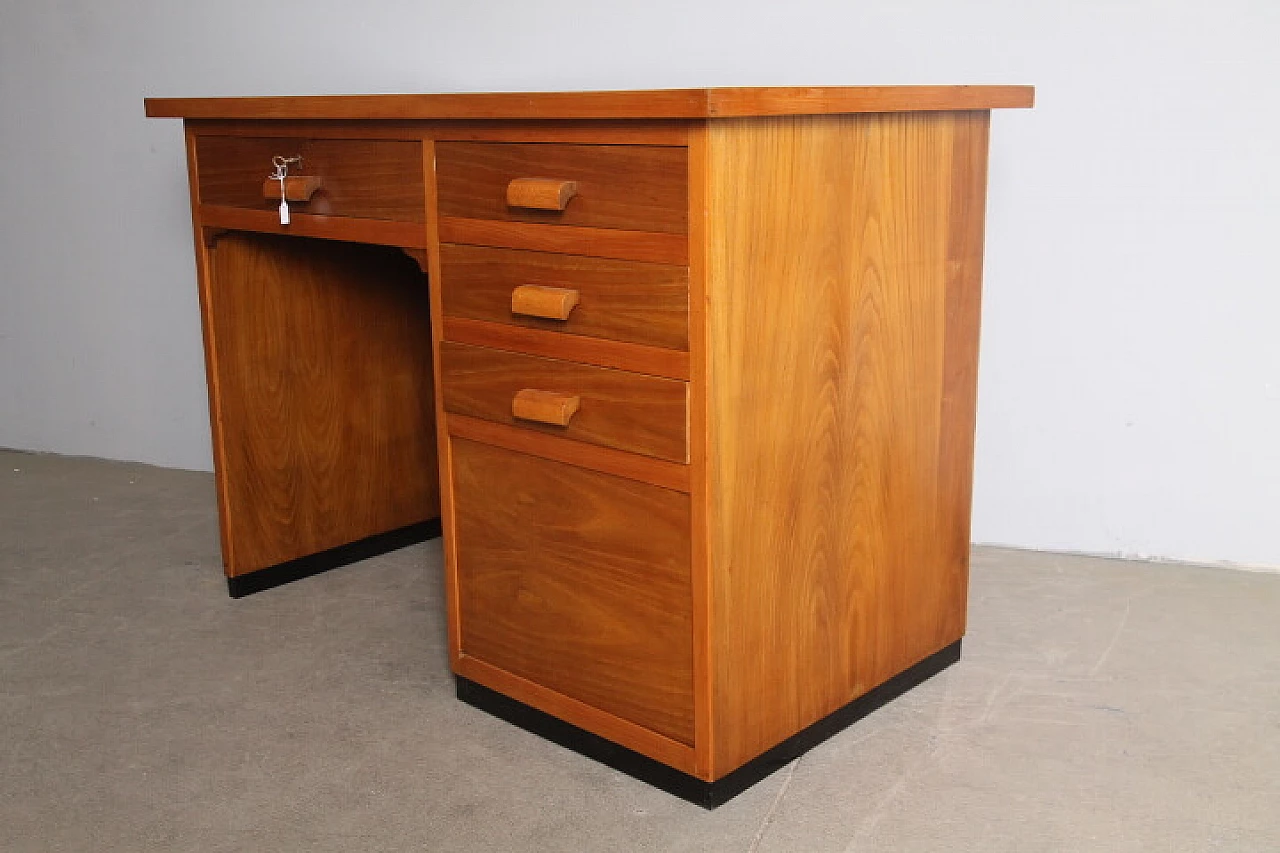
619,463
654,246
380,232
620,355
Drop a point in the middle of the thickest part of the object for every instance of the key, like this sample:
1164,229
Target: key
280,171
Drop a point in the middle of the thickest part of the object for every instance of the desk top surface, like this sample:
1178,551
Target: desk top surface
650,104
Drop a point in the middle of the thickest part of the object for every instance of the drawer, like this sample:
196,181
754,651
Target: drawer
578,581
364,178
614,408
619,300
628,187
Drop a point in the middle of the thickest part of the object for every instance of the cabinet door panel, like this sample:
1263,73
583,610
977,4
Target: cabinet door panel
578,581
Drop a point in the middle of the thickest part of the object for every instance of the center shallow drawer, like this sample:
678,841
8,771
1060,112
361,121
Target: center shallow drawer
618,300
613,408
578,581
628,187
364,178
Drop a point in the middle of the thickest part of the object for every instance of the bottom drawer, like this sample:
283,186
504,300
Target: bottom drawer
577,581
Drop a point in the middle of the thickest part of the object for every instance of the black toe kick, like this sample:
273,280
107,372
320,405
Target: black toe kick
344,555
705,794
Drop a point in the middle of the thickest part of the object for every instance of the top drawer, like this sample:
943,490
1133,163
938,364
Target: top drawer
627,187
364,178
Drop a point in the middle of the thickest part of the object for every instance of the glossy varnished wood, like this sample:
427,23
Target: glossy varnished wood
632,466
636,358
294,188
833,244
552,408
577,581
699,454
378,232
363,178
651,104
626,411
204,287
621,187
735,102
758,509
542,302
322,373
608,725
444,445
549,194
967,214
618,300
653,246
609,132
592,132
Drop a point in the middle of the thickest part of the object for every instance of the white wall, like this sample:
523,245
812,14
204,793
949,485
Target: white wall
1130,391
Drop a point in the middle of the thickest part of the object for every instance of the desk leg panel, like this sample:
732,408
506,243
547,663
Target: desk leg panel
320,365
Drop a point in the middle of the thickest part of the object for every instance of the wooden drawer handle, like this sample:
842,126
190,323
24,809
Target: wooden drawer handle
297,188
540,193
545,407
551,303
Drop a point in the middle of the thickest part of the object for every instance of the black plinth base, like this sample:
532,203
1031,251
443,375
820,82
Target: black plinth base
343,555
706,794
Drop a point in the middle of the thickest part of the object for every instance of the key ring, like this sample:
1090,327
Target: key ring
281,165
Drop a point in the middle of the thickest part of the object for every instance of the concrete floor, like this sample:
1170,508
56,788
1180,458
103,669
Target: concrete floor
1100,705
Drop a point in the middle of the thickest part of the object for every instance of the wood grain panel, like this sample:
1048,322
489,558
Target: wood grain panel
625,411
632,466
671,132
654,247
321,362
444,446
377,232
577,581
960,379
365,178
644,741
653,104
204,285
699,455
617,300
623,187
831,252
835,100
636,358
675,103
615,132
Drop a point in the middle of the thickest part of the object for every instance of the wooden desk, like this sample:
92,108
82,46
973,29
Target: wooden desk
703,365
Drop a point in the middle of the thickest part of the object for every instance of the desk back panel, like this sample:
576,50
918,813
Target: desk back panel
321,365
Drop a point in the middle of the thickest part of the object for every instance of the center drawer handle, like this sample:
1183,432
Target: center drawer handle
296,188
551,303
545,407
540,193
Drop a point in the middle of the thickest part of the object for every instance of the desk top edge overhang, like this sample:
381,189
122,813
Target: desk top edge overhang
612,105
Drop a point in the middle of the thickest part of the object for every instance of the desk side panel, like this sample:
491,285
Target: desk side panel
320,363
843,267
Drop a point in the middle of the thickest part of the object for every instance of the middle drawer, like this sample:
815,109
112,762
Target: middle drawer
641,303
613,408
